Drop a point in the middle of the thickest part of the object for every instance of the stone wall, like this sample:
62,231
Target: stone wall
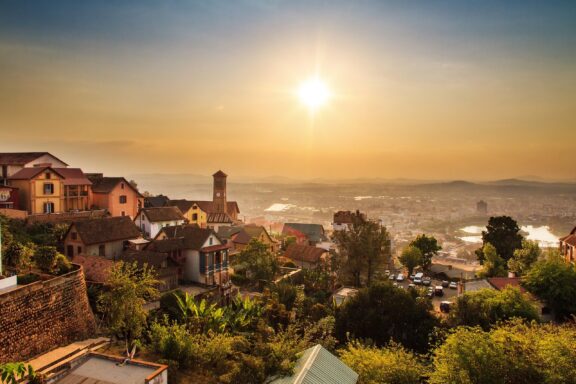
44,315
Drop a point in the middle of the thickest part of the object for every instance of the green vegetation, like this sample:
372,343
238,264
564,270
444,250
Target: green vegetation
410,258
256,262
525,257
13,373
493,264
504,234
429,247
488,307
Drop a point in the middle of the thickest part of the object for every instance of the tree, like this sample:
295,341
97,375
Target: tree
17,255
554,281
256,262
13,373
391,364
363,248
487,307
514,352
128,287
383,313
524,257
493,263
503,233
45,258
429,247
411,257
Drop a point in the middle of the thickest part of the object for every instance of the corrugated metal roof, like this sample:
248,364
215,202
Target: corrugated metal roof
318,366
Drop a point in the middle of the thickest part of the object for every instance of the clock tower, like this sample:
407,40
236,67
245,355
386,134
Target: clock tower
219,197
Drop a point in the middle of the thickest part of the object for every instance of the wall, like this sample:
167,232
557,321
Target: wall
8,282
38,196
44,315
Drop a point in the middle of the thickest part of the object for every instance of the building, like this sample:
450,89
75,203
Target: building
152,220
8,197
156,201
317,365
238,237
164,267
12,162
201,256
116,195
211,214
568,247
107,237
305,234
306,256
52,190
344,219
482,207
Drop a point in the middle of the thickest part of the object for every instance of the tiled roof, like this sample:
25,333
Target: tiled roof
226,232
101,184
156,201
32,172
96,268
97,231
220,174
248,233
208,206
314,232
73,176
21,158
182,204
152,258
157,214
570,240
502,282
192,236
166,245
318,366
306,253
219,217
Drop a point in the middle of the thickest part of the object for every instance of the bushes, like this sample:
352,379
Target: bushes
28,278
239,280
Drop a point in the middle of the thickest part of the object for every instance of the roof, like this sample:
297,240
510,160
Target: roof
220,174
73,176
219,217
21,158
108,229
189,236
250,232
501,283
208,206
314,232
226,232
32,172
96,268
570,240
101,184
182,204
306,253
157,214
152,258
156,201
318,366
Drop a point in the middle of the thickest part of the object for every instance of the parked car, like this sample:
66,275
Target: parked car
430,292
400,277
445,306
453,285
411,285
439,291
426,281
445,283
412,277
418,278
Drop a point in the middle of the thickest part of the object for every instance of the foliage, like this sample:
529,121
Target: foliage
487,307
384,313
45,258
512,353
363,248
257,262
12,373
504,234
169,304
411,257
493,265
28,278
554,281
239,280
288,240
17,255
391,364
429,247
127,289
62,264
524,257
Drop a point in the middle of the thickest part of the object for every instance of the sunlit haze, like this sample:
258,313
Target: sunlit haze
452,89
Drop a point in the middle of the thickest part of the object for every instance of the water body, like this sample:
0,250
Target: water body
278,207
542,235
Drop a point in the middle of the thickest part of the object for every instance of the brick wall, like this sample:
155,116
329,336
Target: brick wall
44,315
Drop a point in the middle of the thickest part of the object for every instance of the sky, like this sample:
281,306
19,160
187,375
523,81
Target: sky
430,89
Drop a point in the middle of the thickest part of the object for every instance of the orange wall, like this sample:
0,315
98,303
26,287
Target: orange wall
111,201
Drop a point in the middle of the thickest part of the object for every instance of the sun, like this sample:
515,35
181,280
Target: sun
313,93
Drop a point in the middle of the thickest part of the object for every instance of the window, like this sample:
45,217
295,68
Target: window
123,213
49,207
48,188
79,250
101,250
195,217
48,175
74,236
123,199
122,185
210,241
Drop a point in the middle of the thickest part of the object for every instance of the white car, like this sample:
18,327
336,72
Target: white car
400,277
453,285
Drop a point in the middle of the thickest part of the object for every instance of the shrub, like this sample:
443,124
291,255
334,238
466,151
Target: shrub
28,278
239,280
45,258
62,263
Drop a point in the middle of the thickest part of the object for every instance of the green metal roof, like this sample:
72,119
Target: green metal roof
318,366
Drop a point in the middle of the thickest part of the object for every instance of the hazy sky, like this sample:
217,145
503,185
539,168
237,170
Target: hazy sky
422,89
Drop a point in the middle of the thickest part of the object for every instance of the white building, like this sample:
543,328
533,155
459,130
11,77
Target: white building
152,220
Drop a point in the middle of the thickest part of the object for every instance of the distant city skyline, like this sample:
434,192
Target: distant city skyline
426,90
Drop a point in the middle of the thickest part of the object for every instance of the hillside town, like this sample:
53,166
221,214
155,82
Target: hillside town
102,283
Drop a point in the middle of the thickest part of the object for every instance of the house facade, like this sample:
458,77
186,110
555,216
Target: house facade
13,162
305,234
568,247
200,255
8,197
116,195
239,237
106,237
306,256
152,220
